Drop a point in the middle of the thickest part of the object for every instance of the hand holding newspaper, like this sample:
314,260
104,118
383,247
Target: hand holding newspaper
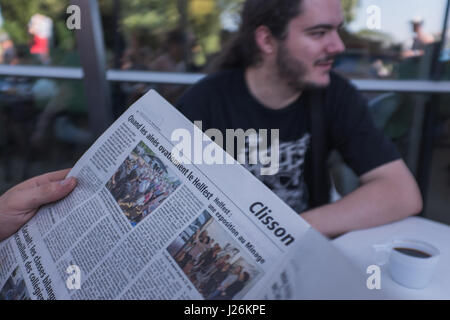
146,223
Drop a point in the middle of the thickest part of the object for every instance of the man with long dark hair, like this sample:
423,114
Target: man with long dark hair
276,74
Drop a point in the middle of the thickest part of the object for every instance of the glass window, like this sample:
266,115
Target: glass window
445,53
391,39
166,35
44,127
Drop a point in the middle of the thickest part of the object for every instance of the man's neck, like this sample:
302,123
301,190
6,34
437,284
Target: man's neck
267,87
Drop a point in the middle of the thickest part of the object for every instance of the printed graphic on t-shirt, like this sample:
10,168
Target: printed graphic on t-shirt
289,183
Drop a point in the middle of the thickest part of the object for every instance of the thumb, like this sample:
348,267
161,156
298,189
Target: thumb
46,193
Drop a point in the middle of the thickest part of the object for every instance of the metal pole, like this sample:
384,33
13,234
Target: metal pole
426,154
92,55
437,67
421,129
183,25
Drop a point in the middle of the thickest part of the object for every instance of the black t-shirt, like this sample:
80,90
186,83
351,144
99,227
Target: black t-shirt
223,101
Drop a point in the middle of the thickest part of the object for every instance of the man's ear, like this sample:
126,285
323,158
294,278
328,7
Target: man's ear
265,40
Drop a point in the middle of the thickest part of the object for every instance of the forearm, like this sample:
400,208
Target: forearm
375,203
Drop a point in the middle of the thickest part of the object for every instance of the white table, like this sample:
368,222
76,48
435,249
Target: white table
357,246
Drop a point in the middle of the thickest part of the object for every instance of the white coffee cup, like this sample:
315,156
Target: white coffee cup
411,262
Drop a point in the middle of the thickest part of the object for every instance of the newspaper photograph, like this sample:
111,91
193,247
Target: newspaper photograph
213,261
141,183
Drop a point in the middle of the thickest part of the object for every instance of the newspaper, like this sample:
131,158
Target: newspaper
144,223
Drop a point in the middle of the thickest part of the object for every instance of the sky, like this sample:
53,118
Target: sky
395,16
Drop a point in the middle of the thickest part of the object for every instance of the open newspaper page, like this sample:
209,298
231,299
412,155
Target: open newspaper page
160,212
315,269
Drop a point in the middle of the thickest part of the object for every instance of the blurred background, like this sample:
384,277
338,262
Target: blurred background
61,88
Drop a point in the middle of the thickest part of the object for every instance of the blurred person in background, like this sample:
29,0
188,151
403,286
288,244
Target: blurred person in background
8,51
417,45
40,28
173,59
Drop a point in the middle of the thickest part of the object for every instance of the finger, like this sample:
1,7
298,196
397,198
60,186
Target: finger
42,179
35,197
54,176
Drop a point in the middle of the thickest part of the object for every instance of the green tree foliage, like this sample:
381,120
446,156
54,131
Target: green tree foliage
17,14
349,7
155,16
144,21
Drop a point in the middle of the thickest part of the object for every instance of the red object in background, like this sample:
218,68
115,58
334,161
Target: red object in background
39,45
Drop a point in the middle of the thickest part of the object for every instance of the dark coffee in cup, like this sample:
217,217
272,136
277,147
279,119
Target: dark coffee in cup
413,252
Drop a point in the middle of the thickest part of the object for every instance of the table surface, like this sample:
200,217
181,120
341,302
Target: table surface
358,247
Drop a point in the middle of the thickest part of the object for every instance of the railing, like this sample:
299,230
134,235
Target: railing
408,86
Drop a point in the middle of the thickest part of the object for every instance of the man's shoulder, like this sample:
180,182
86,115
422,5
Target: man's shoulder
216,80
340,83
210,92
341,91
340,98
210,89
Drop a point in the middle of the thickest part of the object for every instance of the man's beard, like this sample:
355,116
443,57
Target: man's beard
293,71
